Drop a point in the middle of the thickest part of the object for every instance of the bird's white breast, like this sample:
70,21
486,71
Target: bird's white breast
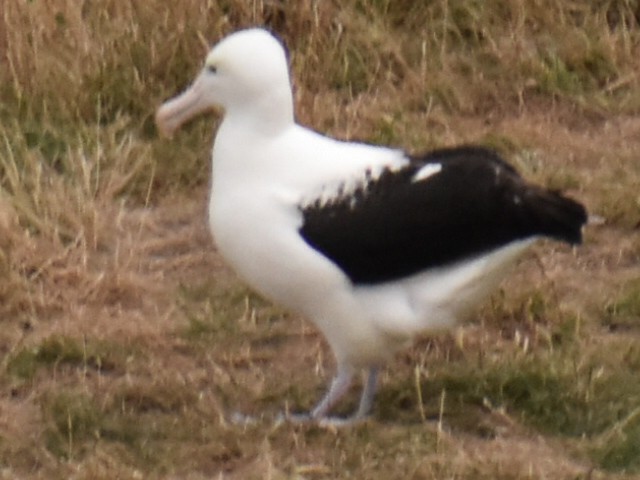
258,186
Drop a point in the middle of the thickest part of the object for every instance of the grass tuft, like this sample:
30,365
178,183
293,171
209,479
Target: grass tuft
58,350
73,420
624,312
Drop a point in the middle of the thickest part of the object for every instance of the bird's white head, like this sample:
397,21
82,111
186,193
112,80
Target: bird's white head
246,73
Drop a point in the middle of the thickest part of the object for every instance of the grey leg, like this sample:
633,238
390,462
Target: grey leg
368,394
339,387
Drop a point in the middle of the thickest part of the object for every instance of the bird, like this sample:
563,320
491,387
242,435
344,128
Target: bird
374,245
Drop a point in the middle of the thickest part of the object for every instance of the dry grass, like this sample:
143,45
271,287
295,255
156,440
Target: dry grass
126,344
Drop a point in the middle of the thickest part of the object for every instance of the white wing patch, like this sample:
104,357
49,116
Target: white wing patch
426,171
346,187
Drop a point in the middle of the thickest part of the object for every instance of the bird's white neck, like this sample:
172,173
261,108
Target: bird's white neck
266,114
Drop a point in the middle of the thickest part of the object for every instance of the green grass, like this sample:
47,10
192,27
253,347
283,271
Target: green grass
623,313
218,312
73,421
53,351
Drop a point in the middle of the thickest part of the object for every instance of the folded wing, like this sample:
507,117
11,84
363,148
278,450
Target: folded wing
441,208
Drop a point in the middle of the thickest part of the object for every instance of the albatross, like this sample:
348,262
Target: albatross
374,245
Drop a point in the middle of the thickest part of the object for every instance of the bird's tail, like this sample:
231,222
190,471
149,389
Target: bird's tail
557,216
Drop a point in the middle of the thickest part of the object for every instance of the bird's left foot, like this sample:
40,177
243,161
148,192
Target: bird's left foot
325,422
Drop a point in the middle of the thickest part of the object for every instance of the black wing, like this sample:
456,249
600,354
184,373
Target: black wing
394,226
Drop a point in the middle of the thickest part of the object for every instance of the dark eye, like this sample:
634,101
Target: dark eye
212,69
